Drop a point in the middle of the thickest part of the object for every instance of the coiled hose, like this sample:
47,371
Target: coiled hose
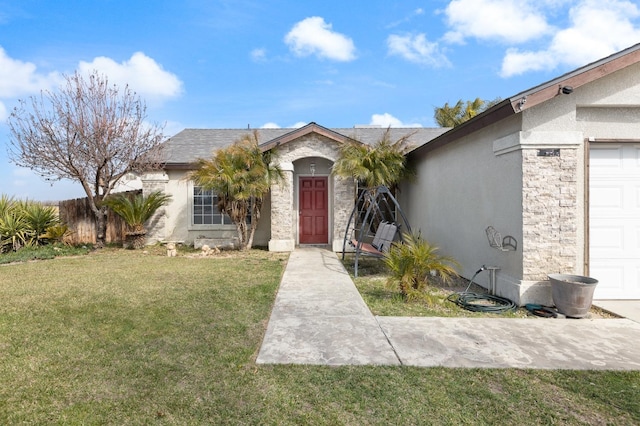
472,301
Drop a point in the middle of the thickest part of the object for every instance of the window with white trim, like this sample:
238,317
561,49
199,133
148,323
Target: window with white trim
205,209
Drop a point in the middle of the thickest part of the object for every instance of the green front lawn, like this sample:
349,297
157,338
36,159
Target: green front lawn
122,337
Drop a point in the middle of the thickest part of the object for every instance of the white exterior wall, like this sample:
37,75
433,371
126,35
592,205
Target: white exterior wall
460,190
495,177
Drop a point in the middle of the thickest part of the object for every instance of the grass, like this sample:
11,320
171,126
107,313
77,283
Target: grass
385,301
26,254
123,337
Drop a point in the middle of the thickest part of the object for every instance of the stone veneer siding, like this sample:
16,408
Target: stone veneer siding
549,203
283,203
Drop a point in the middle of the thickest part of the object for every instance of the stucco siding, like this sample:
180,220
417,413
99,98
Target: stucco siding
463,188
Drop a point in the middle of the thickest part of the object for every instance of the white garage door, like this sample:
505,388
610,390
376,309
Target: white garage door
614,220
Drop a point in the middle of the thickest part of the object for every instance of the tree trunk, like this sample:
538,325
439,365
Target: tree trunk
135,240
101,227
241,226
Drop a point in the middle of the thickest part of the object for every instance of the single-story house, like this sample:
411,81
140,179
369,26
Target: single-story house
546,181
311,207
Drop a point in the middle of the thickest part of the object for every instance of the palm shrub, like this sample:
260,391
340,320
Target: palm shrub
413,263
383,163
57,233
241,176
136,211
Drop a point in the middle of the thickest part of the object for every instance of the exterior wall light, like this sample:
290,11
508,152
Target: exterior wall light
566,90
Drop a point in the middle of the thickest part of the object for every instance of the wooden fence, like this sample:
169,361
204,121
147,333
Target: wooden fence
77,215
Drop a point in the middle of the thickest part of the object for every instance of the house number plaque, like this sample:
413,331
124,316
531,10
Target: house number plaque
549,152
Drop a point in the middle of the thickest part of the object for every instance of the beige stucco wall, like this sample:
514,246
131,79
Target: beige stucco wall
278,224
495,177
178,225
460,190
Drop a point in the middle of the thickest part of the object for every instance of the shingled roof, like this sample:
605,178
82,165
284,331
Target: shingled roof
183,149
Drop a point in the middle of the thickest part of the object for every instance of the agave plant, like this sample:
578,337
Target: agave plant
135,211
39,218
6,204
414,262
14,231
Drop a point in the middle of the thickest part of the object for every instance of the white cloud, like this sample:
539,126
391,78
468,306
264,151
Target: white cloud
416,48
18,78
259,55
313,36
417,12
388,120
597,29
504,20
272,125
142,73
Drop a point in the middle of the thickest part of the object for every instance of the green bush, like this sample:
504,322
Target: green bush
39,218
24,223
413,263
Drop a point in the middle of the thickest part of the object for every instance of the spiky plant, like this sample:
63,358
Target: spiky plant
412,264
135,211
14,231
57,233
6,204
383,163
38,218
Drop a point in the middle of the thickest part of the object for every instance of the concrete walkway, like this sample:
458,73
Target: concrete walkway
320,318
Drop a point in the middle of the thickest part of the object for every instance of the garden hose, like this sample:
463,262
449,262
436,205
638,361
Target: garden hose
472,301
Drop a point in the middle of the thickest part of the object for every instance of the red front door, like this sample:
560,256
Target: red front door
314,212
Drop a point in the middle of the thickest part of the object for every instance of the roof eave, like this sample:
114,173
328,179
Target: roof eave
492,115
295,134
537,95
179,166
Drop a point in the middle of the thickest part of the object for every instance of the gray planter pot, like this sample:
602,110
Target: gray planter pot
572,294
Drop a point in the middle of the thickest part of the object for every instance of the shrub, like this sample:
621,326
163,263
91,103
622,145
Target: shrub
135,211
24,223
413,263
14,231
39,218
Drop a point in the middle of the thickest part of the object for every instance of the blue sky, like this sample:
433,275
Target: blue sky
239,63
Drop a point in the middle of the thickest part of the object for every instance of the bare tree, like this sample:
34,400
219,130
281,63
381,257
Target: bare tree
88,131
